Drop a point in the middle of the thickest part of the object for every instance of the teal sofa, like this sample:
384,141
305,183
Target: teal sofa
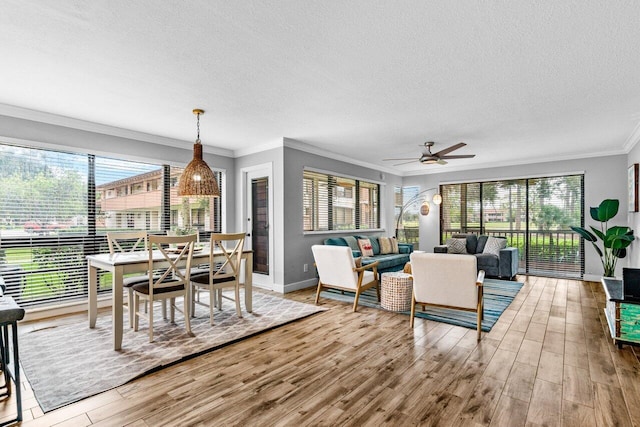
386,262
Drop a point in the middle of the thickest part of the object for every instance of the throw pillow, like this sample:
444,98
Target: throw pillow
365,247
457,246
386,247
394,246
494,245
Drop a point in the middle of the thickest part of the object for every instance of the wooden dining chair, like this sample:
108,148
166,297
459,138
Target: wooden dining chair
225,255
129,241
172,283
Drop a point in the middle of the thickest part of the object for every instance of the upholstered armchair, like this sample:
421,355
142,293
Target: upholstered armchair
337,269
449,281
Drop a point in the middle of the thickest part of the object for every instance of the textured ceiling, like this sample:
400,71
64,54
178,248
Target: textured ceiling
518,81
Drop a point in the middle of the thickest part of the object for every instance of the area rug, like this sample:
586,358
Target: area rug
70,362
498,294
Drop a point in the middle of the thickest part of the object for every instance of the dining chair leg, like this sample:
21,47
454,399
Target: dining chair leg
187,317
238,311
219,299
172,310
164,308
212,301
136,316
150,321
130,306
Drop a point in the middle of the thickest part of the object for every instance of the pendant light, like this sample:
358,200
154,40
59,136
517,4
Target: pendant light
197,179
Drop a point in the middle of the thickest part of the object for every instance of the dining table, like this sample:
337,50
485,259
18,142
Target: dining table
121,264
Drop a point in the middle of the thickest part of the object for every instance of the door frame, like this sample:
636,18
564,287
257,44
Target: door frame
249,173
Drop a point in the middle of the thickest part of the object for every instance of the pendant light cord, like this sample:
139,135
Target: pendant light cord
198,127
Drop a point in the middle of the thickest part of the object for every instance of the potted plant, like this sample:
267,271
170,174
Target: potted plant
615,240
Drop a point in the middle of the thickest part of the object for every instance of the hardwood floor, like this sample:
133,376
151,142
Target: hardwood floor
547,362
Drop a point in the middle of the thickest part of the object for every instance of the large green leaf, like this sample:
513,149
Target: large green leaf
597,232
619,253
595,215
598,250
607,209
618,237
586,234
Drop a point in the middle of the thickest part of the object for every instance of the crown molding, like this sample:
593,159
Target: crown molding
632,140
303,146
528,161
83,125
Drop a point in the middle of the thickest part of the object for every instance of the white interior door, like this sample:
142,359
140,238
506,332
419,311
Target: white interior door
258,220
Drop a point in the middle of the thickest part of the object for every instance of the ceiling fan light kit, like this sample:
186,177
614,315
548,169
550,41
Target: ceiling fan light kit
441,157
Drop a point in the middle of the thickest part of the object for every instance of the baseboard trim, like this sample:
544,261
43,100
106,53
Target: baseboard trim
300,285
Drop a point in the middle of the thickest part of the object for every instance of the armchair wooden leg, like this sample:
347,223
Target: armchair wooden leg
318,292
413,310
355,301
479,322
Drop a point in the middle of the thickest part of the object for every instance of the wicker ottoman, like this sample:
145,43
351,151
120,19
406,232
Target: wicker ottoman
395,290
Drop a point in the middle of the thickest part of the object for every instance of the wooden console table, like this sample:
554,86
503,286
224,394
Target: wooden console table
623,316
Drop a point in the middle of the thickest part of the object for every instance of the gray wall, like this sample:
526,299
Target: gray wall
32,133
297,245
604,178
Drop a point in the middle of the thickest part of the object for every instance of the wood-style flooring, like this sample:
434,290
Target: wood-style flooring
547,362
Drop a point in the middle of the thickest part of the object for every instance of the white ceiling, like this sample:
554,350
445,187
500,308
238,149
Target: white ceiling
518,81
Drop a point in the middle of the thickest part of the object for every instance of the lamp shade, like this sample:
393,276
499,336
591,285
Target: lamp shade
197,178
424,209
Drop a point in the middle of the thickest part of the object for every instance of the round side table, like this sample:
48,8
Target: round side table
395,291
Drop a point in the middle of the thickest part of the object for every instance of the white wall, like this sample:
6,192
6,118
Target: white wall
604,178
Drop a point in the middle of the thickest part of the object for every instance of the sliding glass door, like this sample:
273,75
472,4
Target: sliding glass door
534,214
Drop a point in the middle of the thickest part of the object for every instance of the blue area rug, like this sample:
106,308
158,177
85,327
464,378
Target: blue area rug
498,294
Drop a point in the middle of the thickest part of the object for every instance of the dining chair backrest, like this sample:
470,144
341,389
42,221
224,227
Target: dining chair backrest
231,246
127,241
175,250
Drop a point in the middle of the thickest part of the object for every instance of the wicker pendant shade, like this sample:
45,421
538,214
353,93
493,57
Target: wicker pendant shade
197,179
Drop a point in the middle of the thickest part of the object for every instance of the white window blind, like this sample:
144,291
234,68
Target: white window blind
332,202
534,214
56,207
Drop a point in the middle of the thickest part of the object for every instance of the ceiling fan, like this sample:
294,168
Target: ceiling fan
440,157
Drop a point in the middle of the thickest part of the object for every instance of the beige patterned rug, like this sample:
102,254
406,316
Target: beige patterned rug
70,362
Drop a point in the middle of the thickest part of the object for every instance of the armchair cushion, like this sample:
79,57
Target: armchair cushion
457,246
365,247
494,245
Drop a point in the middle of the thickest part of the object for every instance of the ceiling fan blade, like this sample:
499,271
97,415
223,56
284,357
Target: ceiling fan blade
450,149
459,156
404,163
406,158
441,162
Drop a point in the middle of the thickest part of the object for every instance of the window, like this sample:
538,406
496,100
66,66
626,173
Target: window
332,202
408,226
535,214
56,207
